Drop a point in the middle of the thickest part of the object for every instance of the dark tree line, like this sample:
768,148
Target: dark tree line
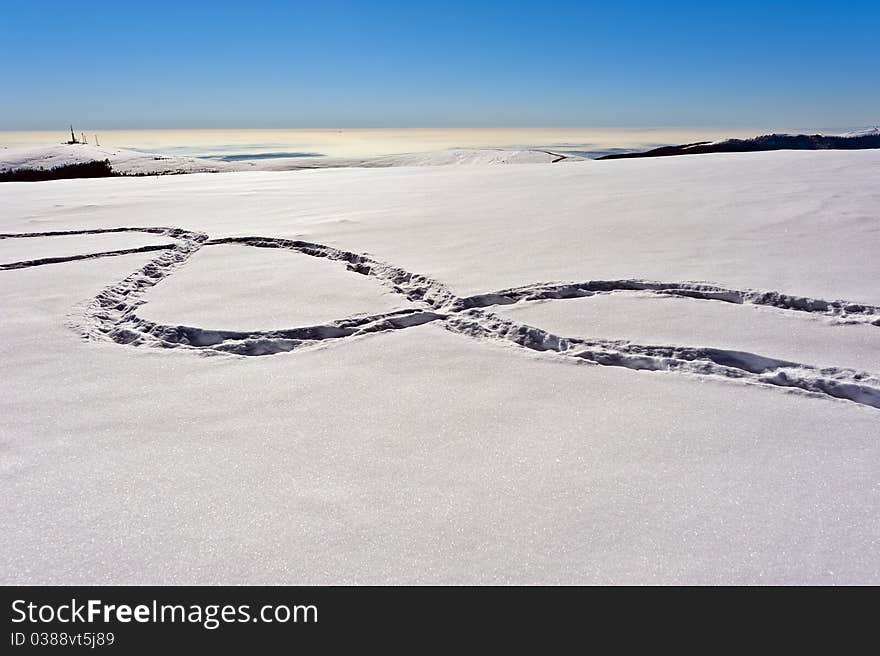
96,169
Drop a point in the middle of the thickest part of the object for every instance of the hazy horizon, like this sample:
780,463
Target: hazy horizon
360,142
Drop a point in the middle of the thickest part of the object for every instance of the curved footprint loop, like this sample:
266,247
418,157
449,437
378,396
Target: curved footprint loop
112,315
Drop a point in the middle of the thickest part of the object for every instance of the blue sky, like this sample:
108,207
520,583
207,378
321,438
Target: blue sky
405,64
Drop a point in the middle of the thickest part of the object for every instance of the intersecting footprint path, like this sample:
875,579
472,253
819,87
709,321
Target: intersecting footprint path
112,315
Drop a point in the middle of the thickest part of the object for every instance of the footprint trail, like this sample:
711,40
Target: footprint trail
112,315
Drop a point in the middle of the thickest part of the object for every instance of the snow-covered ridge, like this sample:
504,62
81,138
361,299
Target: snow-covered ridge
862,139
123,161
132,162
870,131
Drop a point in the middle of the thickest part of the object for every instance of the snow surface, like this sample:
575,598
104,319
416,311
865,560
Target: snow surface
449,444
283,291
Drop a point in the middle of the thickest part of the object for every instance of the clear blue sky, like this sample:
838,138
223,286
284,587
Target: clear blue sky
322,63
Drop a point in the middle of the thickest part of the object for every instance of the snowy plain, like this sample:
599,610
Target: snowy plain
447,425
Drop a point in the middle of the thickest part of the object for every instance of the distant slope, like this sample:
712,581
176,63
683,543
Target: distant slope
122,161
869,138
34,162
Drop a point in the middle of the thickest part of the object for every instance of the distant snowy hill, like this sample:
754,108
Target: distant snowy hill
132,162
872,130
862,139
123,161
